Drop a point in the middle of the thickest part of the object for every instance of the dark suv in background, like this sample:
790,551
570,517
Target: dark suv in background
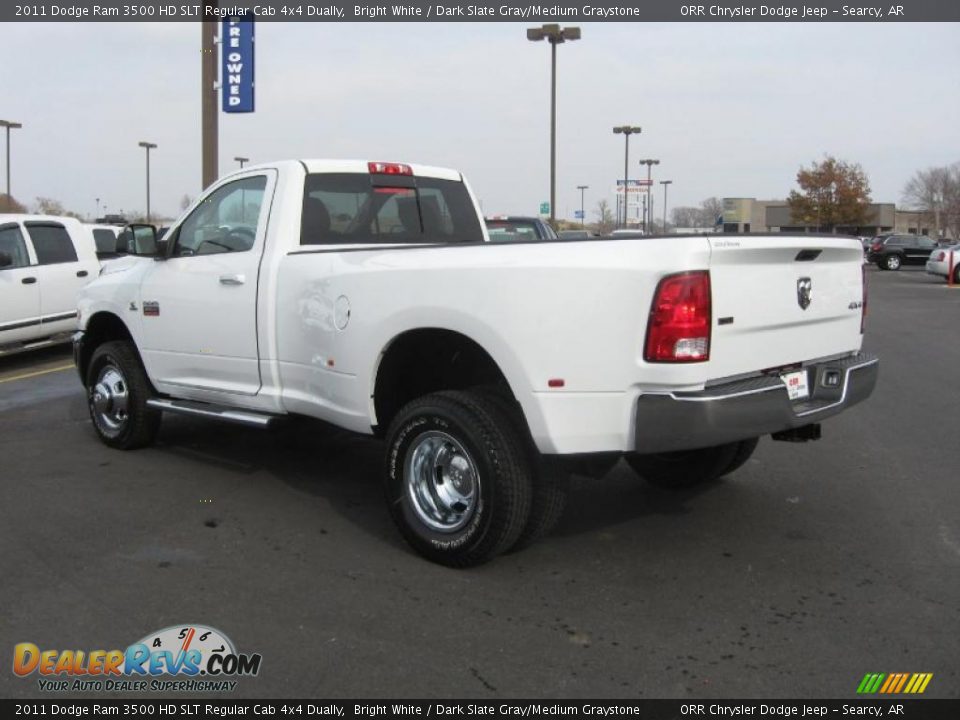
890,252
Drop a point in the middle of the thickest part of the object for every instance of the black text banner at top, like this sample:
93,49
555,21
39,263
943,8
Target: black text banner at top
812,11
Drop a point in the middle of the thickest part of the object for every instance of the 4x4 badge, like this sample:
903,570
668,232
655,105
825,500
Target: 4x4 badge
804,291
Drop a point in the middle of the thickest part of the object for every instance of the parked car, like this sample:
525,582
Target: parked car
627,232
573,235
939,262
367,295
44,263
105,239
891,252
511,228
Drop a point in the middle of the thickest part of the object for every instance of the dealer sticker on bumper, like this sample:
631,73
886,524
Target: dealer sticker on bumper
796,382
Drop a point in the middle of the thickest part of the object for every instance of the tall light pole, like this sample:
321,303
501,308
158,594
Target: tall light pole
9,126
583,215
98,209
148,146
242,160
626,131
555,35
665,183
648,217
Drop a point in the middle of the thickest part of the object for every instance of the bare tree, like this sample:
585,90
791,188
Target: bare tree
710,210
185,201
48,206
704,216
605,221
685,217
936,191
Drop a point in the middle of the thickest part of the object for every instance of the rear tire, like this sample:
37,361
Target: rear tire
685,468
744,451
551,481
458,481
117,394
956,275
892,262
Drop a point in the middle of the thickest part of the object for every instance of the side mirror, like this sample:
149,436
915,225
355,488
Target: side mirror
5,260
141,240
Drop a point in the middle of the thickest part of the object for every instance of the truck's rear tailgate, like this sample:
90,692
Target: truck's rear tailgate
780,300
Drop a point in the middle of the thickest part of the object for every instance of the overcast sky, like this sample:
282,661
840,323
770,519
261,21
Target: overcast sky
730,109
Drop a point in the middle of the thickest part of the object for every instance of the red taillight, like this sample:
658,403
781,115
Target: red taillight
678,329
381,168
876,247
863,307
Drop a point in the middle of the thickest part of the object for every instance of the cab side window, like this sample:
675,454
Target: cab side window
12,244
226,221
52,243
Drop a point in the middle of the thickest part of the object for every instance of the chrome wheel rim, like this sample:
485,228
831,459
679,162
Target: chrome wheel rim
110,399
443,483
893,263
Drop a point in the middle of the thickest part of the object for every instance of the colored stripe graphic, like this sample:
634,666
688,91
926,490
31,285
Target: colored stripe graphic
894,683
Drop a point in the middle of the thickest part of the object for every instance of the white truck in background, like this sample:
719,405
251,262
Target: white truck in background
367,295
44,262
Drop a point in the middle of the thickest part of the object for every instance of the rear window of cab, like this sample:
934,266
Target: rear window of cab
354,208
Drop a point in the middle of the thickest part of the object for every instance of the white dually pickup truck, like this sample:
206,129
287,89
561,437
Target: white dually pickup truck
367,295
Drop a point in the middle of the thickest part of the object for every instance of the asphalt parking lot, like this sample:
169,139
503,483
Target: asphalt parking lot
811,566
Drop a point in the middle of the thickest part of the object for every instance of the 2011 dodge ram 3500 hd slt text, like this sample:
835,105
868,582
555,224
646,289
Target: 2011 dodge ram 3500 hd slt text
367,295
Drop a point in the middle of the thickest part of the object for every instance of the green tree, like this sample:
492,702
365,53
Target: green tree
832,193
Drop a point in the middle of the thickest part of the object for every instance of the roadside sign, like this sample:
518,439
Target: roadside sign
544,208
236,64
578,214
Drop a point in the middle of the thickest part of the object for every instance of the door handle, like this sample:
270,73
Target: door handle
28,280
82,273
232,279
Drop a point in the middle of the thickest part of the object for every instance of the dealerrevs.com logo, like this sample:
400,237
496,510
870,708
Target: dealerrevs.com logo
184,658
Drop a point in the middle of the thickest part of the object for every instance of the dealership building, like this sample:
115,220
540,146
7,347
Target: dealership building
752,215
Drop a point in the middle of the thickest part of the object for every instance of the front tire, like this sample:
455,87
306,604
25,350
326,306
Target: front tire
458,482
686,468
117,394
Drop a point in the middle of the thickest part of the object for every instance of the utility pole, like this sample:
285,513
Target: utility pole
583,215
209,119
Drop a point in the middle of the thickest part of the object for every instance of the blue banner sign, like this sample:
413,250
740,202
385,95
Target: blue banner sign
236,64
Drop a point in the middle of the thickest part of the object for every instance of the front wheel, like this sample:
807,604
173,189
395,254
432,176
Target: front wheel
458,482
686,468
117,394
